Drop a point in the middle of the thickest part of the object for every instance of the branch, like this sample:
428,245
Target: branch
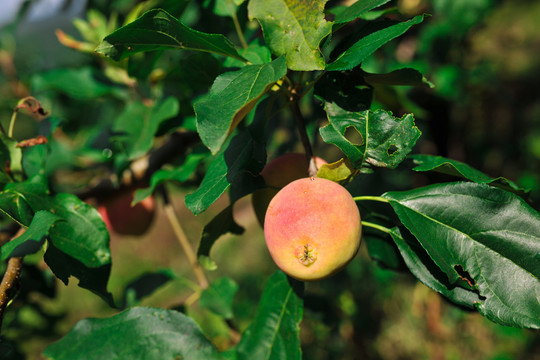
11,280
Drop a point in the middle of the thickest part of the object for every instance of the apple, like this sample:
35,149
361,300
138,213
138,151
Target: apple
122,218
312,228
278,173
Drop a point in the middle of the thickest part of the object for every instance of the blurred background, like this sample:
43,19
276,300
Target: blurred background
484,109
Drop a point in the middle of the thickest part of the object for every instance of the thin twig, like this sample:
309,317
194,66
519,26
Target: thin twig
301,125
183,240
239,31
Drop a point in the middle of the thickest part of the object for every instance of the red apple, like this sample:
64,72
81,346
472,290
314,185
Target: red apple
122,218
278,173
312,228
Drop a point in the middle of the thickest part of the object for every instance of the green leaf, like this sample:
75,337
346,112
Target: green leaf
156,30
145,285
423,267
370,138
483,236
383,252
462,170
138,124
136,333
243,154
33,238
179,174
254,53
347,89
79,246
227,7
232,96
220,225
293,28
218,297
10,155
274,333
403,77
339,171
21,200
366,46
345,14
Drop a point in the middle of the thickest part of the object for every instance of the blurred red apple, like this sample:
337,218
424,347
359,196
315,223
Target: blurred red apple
122,218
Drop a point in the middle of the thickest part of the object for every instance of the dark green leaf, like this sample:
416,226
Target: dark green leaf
232,96
370,138
136,333
157,29
294,29
145,285
383,252
180,174
138,124
242,154
274,333
220,225
345,14
347,89
462,170
406,77
218,297
22,199
33,238
484,236
366,46
423,267
80,83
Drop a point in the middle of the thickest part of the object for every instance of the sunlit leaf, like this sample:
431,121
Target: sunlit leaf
294,29
232,96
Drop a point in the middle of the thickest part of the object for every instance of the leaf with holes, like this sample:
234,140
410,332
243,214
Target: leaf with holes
484,239
156,30
370,138
232,96
294,29
274,333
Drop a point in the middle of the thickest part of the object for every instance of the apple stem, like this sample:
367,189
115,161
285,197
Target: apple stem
301,125
184,242
373,198
376,226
